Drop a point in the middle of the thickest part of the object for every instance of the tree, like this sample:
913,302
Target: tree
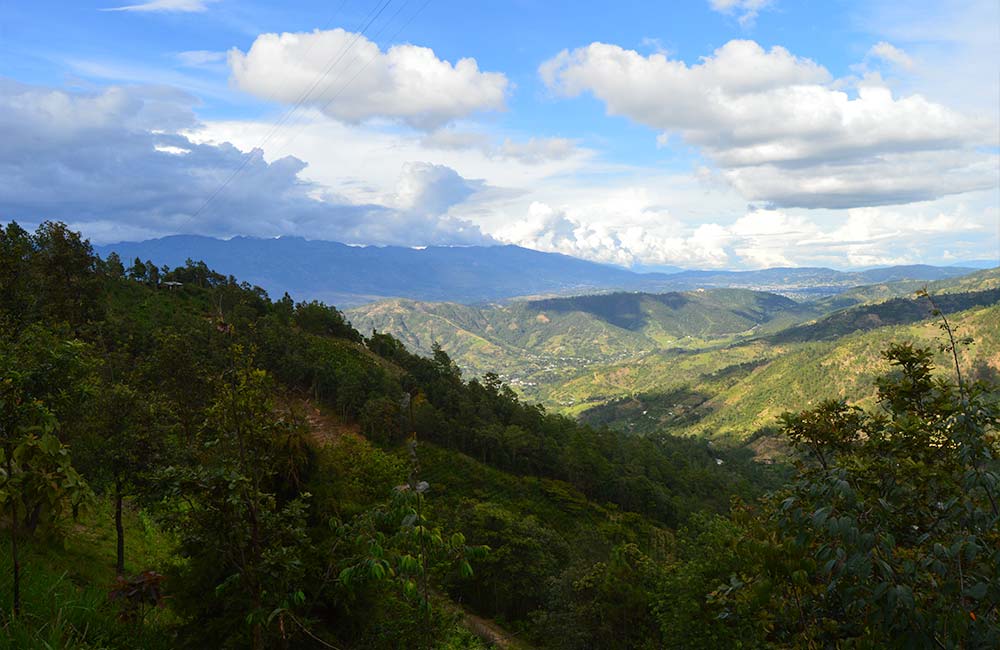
138,271
37,479
152,274
395,543
17,298
316,318
64,268
890,534
382,420
245,545
113,266
130,445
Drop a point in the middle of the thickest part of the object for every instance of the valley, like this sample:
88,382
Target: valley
715,362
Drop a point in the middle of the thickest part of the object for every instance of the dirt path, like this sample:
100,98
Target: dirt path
488,631
328,430
325,429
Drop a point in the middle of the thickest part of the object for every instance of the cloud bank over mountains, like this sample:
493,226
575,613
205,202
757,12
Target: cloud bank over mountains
114,163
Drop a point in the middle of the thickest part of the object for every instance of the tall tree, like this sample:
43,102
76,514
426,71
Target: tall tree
37,479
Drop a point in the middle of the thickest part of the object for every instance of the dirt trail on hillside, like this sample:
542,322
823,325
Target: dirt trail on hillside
328,430
325,429
488,631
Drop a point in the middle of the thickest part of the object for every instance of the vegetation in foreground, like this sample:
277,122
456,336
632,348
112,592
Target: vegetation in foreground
253,463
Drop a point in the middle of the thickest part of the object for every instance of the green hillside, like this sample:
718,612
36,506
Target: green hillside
735,391
255,473
543,342
978,281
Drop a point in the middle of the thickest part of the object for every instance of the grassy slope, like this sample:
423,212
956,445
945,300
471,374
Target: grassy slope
545,342
66,581
710,394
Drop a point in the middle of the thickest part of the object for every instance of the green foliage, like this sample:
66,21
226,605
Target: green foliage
60,614
39,483
609,604
244,547
889,538
316,318
381,420
65,587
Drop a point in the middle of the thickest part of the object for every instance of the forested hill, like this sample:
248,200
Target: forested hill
187,463
896,311
354,275
263,440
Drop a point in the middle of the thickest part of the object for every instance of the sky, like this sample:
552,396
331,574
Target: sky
701,134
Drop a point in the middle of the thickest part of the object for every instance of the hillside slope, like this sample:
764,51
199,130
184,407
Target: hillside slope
537,341
735,391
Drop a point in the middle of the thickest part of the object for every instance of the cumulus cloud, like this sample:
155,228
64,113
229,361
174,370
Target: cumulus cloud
745,10
178,6
358,81
553,230
113,164
426,188
759,238
780,128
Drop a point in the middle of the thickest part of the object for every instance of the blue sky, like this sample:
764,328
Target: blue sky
709,133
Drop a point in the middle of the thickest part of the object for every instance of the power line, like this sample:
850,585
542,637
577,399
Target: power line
364,67
380,6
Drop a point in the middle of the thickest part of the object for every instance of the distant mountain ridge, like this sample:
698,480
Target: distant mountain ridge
353,275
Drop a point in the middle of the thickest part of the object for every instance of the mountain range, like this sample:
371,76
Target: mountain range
347,276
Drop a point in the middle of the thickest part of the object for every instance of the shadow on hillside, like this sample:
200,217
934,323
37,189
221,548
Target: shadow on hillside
898,311
650,412
623,310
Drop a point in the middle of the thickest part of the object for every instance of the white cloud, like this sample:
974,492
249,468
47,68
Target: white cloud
369,174
892,54
200,58
781,130
953,44
179,6
747,9
350,79
637,233
425,188
531,151
615,242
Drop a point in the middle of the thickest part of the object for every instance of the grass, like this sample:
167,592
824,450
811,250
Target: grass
65,581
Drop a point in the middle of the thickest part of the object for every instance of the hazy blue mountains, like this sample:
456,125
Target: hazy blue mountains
352,275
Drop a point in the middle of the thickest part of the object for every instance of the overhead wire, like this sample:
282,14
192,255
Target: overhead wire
373,15
371,60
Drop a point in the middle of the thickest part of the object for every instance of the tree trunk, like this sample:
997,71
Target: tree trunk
13,540
31,521
119,530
